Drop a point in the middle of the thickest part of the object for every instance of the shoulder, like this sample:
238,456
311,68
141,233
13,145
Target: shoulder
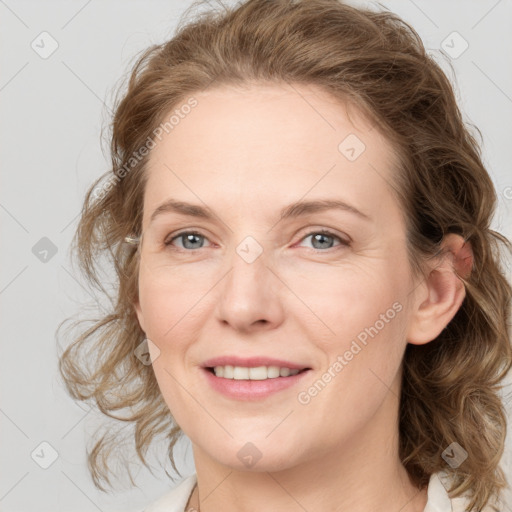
176,499
439,500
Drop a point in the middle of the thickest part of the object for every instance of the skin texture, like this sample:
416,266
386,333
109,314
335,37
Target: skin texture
246,154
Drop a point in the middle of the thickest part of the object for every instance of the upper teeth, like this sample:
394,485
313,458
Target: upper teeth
253,373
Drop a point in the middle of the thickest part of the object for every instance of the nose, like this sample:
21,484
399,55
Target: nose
250,296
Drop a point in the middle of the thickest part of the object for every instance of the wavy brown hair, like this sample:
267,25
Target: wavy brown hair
376,62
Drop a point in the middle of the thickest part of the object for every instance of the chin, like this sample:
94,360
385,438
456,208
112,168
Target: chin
254,457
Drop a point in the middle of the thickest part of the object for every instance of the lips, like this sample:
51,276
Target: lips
254,361
251,390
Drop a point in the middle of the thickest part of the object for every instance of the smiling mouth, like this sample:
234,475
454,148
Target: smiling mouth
252,383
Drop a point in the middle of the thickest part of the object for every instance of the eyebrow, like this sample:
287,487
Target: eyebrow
293,210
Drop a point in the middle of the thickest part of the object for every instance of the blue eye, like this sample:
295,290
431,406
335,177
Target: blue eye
192,240
188,237
321,236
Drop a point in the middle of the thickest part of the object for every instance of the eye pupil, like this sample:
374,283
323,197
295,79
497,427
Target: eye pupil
321,238
190,238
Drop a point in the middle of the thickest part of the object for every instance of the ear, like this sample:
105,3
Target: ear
440,296
140,316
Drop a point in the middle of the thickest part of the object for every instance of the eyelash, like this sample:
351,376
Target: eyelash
343,243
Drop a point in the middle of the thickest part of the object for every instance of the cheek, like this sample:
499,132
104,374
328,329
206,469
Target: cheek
359,324
344,301
169,299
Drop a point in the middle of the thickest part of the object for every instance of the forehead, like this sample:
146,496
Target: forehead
270,145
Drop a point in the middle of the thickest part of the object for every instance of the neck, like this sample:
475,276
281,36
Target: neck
363,473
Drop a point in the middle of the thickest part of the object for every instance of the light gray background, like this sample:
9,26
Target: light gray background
52,111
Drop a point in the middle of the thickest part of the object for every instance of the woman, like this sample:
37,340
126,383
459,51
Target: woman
308,285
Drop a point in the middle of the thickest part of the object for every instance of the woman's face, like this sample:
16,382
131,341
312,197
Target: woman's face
251,284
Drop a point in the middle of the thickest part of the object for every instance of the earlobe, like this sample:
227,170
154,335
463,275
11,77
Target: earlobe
441,295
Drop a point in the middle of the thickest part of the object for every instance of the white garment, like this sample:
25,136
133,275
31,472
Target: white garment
438,499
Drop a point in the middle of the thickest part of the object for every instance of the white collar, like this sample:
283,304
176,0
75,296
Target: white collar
437,496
